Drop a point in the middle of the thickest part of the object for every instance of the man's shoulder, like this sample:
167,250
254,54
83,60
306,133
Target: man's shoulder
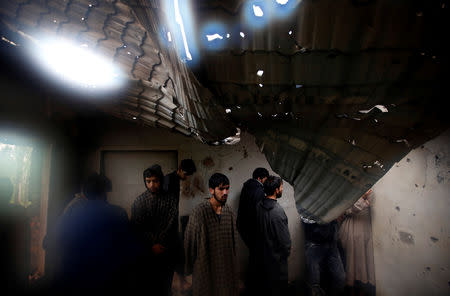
201,207
141,197
278,213
117,211
171,176
278,208
250,187
251,183
169,180
227,208
200,211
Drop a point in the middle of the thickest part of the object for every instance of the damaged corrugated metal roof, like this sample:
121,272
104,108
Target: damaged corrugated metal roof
161,91
335,93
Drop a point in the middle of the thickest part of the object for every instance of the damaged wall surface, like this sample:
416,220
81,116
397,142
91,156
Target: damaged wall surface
341,90
411,223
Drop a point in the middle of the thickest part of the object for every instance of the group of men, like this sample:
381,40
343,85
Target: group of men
100,248
210,239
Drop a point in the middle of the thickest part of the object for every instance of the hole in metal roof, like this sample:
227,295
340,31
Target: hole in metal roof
403,141
213,37
257,10
380,107
8,41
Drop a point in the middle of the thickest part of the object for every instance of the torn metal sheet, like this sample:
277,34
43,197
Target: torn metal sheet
335,94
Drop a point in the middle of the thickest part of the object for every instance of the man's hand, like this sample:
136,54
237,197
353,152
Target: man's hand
366,195
158,249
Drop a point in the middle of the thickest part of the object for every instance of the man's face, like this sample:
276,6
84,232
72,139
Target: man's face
263,180
220,193
152,183
279,191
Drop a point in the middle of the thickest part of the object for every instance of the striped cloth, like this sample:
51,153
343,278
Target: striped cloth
210,248
154,216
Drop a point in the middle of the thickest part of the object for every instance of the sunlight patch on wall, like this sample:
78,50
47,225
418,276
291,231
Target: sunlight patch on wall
15,164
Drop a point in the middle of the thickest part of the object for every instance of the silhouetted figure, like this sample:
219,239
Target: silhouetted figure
171,186
251,194
154,215
14,242
322,255
171,182
273,241
94,245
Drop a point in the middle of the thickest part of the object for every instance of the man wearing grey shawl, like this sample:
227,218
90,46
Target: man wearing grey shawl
210,243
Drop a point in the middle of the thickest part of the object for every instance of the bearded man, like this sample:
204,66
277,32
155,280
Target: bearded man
273,241
210,243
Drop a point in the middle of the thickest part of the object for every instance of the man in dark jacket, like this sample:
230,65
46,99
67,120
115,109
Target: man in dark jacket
171,184
273,240
252,193
93,244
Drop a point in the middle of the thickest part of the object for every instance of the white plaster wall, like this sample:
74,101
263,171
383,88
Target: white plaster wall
237,162
411,223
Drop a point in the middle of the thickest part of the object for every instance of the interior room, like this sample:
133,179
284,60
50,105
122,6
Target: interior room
341,99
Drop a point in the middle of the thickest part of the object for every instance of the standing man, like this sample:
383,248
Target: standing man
252,193
172,188
154,215
172,180
273,240
322,253
93,245
210,243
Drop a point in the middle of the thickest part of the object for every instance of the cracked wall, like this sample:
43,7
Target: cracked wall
411,223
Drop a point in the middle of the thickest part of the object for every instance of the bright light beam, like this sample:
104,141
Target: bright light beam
179,21
282,2
77,64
